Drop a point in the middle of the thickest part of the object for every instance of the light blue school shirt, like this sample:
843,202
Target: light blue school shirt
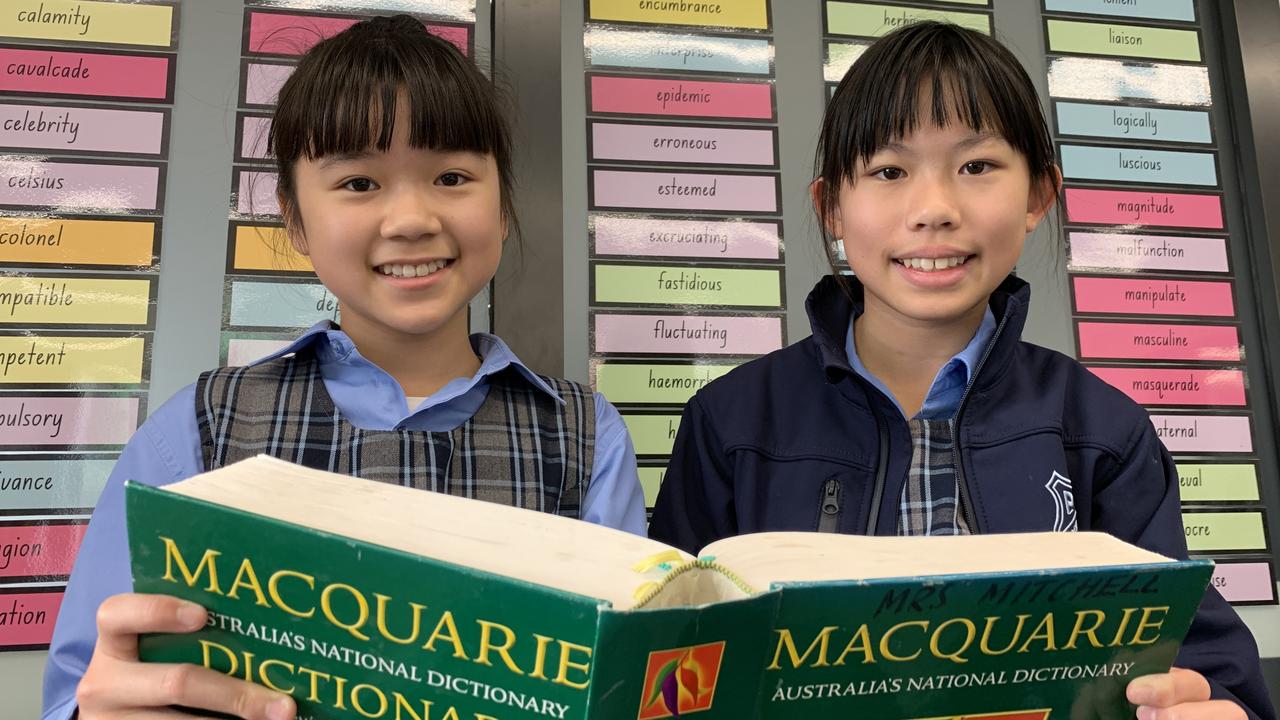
943,398
167,449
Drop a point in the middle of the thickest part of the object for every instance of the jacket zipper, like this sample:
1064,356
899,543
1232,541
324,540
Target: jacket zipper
962,482
830,515
882,469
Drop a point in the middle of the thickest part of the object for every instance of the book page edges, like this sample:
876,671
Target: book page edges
482,576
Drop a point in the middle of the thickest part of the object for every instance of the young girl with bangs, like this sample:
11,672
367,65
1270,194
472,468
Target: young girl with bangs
914,408
394,165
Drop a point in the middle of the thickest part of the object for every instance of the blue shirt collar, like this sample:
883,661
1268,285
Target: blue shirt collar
944,394
494,354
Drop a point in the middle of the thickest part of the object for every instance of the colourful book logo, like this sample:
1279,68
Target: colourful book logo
680,681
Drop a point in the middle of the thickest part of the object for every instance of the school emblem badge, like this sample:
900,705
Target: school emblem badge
1064,503
680,681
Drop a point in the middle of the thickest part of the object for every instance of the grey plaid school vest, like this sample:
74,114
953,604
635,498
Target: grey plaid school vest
521,448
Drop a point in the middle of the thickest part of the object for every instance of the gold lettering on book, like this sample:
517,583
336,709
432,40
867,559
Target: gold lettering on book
348,608
957,638
368,700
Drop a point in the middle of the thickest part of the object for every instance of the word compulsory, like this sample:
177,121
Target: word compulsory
60,125
20,418
40,16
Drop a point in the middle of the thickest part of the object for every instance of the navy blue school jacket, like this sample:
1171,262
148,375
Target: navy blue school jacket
797,441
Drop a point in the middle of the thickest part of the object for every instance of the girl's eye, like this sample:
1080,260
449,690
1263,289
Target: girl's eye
889,173
359,185
976,167
451,179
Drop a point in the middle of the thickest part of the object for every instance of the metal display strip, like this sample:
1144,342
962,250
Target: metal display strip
86,95
1154,294
684,199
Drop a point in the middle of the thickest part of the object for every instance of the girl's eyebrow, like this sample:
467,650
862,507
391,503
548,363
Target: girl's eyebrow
331,160
965,144
978,139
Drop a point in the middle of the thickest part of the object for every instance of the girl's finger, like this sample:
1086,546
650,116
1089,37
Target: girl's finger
1208,710
159,685
1168,689
122,618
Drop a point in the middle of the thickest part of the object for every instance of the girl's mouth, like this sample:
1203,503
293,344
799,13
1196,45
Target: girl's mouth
413,271
933,264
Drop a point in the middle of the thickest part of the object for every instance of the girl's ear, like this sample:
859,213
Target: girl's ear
292,225
831,221
1042,198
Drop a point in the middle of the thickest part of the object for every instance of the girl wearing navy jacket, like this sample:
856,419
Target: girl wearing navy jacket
914,408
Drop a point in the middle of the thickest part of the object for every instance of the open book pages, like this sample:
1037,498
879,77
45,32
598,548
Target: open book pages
536,547
610,565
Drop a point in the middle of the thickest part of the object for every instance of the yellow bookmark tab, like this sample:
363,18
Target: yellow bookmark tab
646,590
653,561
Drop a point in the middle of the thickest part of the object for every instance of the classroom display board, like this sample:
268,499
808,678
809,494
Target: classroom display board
272,293
1156,301
684,206
86,90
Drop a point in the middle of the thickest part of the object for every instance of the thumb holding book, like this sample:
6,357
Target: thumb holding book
1179,694
117,685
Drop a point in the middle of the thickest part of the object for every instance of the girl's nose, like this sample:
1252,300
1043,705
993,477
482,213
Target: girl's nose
410,214
933,205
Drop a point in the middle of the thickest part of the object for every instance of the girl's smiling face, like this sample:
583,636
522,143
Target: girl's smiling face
932,222
404,238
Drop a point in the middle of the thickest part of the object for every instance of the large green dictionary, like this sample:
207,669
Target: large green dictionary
365,600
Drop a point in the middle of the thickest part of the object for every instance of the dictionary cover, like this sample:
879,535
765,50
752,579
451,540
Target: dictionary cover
367,600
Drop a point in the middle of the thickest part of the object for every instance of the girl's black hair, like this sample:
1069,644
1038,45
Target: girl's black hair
969,78
342,99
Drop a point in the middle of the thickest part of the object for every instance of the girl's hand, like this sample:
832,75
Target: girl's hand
117,685
1179,694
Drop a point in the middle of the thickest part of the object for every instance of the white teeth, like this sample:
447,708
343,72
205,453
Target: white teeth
933,264
410,271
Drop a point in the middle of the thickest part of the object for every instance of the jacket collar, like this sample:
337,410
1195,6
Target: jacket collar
831,307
